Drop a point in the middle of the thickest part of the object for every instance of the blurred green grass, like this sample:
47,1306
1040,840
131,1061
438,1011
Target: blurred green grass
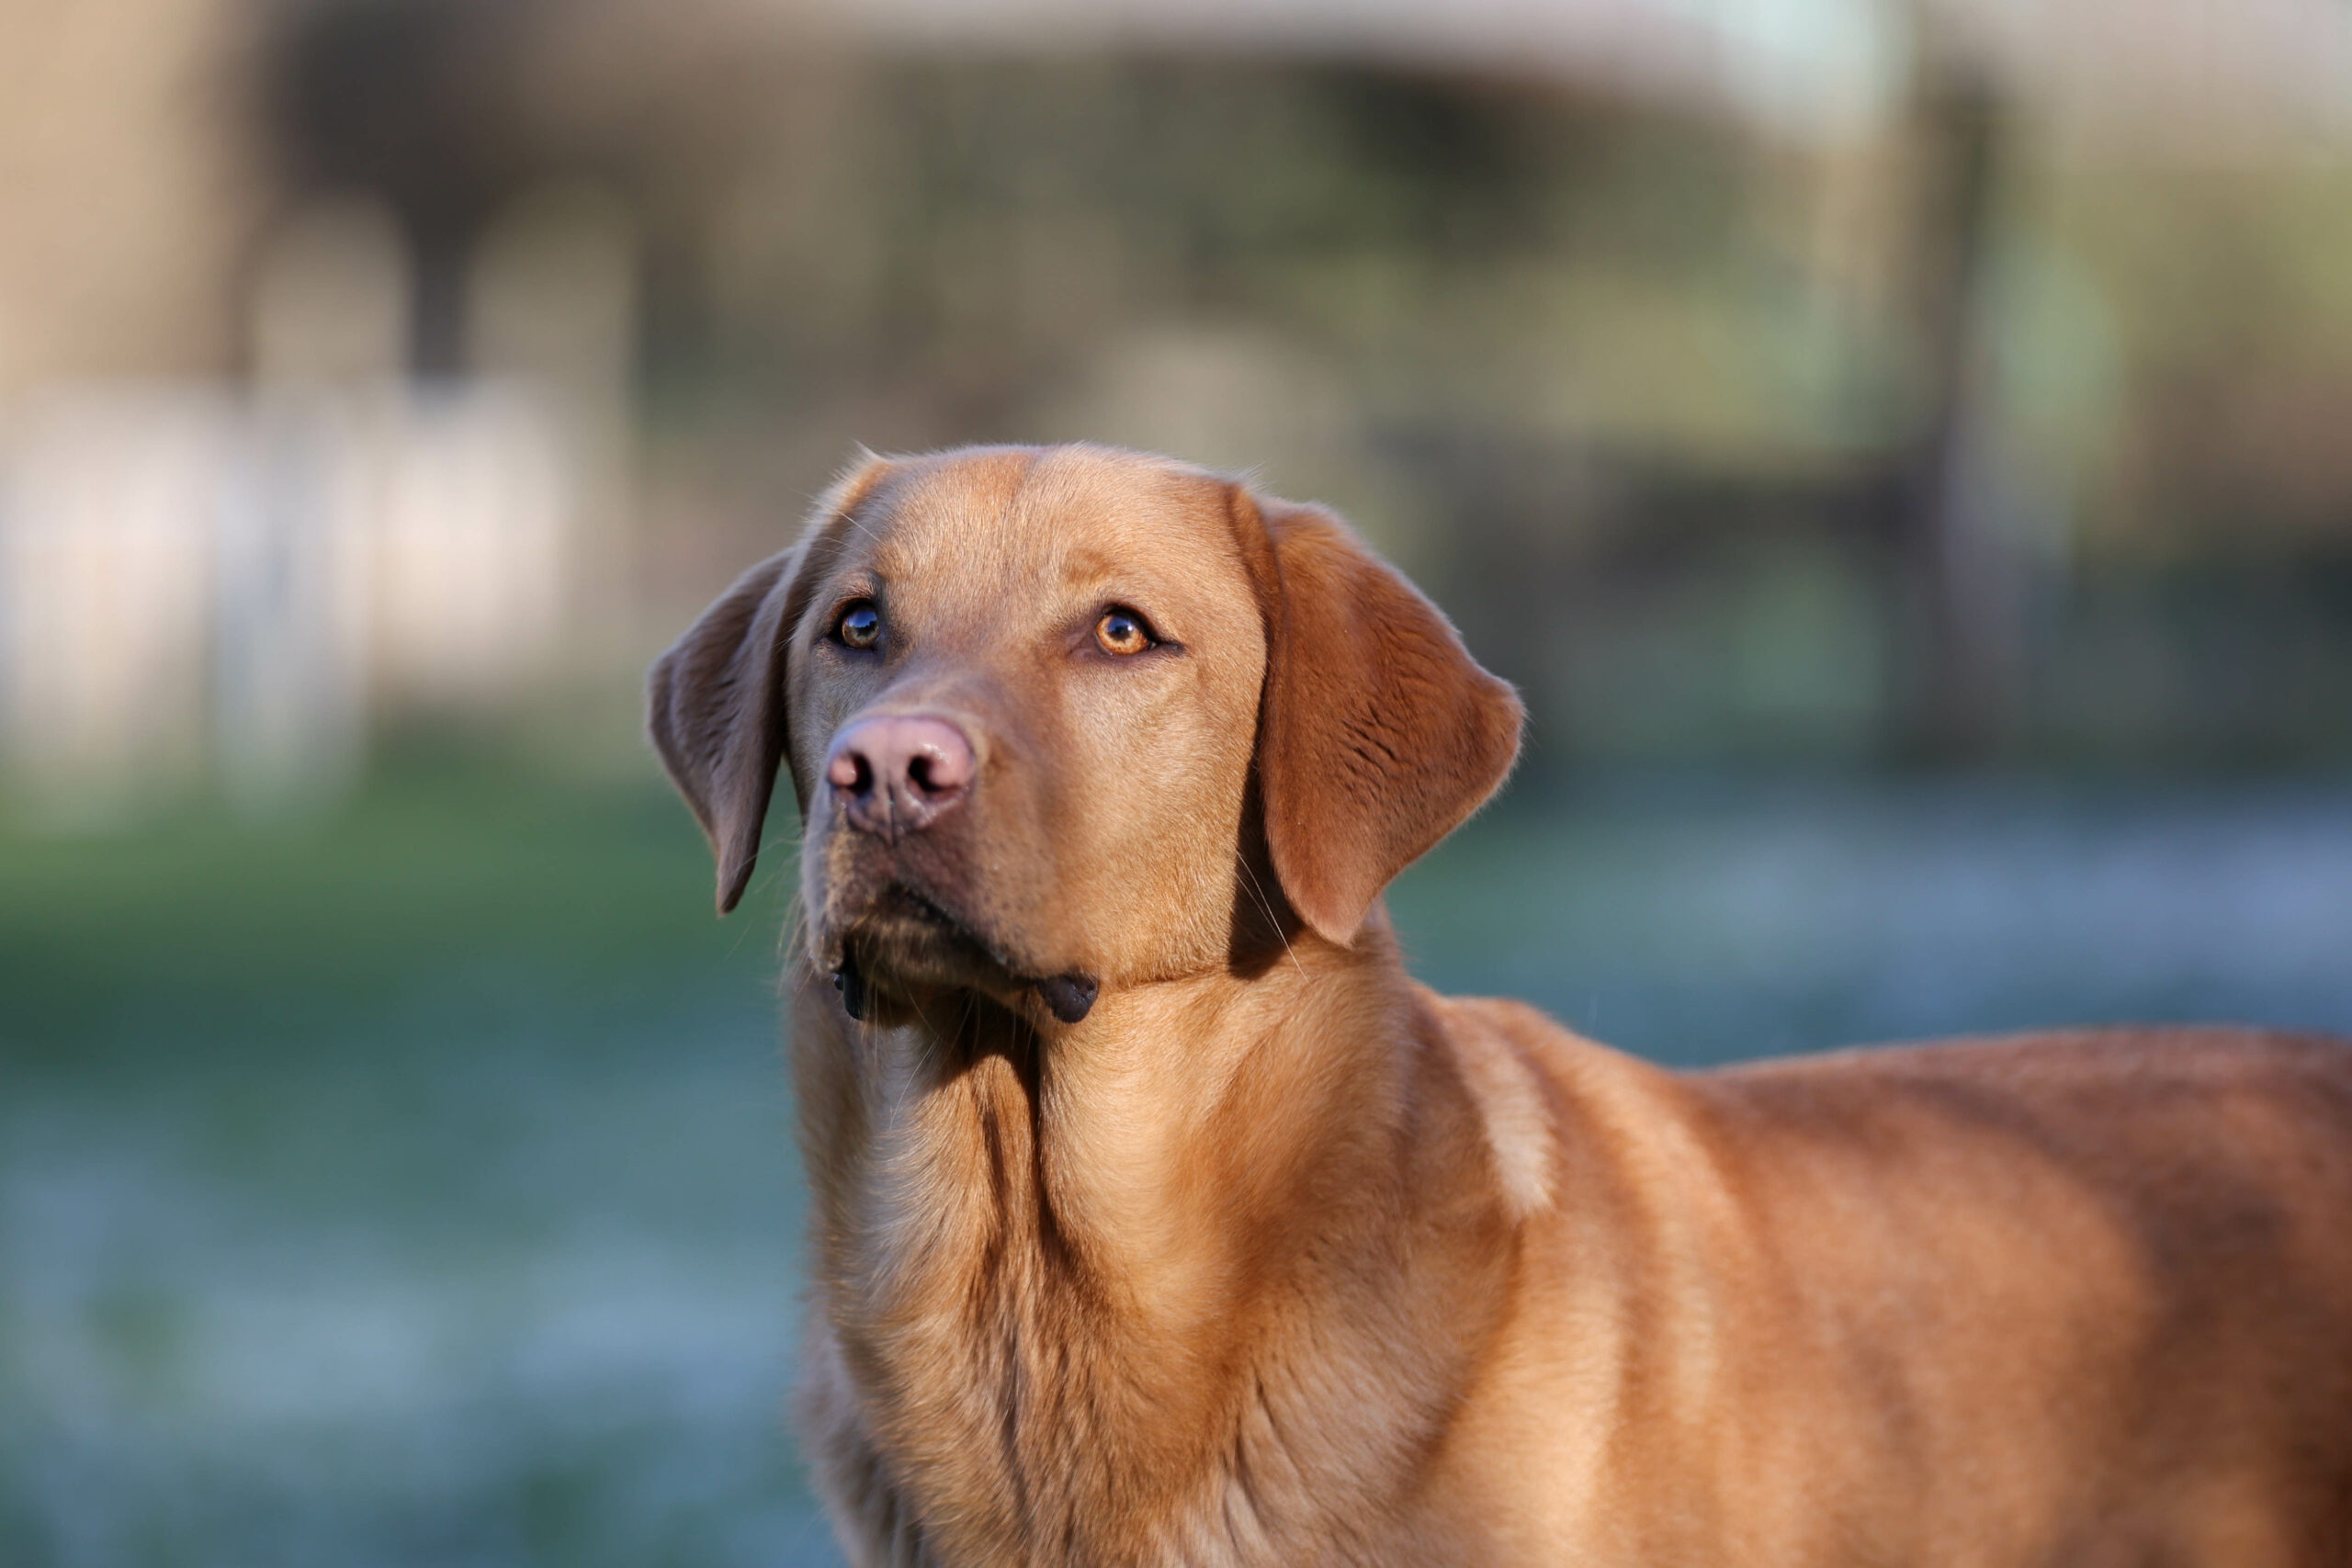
409,1183
451,871
414,1183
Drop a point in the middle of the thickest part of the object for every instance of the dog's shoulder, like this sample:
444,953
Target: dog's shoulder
1546,1092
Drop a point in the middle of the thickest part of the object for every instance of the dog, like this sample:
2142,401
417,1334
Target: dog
1159,1217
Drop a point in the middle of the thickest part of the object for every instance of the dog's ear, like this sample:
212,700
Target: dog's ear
1377,732
716,700
715,710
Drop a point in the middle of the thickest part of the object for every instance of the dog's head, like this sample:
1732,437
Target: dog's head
1069,718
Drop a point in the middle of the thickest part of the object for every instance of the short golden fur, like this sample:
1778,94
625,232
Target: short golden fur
1272,1257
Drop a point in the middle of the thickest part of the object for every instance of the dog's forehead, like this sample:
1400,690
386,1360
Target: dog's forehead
1072,519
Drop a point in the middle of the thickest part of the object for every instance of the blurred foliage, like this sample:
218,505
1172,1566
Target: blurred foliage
1907,416
1647,400
479,873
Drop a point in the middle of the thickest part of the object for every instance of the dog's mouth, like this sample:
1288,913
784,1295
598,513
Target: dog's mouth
903,935
903,940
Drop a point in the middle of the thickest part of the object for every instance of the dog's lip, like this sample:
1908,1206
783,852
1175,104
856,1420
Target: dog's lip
900,900
1069,995
897,897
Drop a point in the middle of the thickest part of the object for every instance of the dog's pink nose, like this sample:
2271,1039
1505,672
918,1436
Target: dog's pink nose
896,774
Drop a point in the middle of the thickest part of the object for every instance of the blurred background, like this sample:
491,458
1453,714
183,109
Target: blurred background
1902,448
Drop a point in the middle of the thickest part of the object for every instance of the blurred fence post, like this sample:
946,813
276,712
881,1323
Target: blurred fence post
333,295
1967,584
551,306
107,531
290,610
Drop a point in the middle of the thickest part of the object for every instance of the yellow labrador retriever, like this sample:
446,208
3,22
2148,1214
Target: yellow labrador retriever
1160,1218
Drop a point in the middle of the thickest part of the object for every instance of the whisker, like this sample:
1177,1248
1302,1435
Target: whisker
1267,904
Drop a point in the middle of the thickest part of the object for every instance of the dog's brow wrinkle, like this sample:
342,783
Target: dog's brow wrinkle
1086,564
1020,488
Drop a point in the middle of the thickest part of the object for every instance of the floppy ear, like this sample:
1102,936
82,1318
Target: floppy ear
715,707
716,700
1377,733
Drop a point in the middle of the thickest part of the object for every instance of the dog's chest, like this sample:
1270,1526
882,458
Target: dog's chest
1026,1406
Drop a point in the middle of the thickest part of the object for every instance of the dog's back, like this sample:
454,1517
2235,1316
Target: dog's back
2067,1298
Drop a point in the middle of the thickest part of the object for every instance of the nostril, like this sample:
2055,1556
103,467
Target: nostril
851,771
941,772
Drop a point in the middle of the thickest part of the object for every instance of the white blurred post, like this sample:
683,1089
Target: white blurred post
551,314
330,326
107,530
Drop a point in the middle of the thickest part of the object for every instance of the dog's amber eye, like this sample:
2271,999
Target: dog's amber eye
860,626
1120,632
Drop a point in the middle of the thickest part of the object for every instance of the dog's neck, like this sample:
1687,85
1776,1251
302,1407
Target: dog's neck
1054,1271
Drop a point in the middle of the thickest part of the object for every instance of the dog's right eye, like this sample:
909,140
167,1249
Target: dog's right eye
860,626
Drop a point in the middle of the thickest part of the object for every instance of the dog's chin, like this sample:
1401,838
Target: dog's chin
901,943
890,947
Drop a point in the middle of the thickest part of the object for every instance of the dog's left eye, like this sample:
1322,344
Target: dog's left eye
860,626
1122,632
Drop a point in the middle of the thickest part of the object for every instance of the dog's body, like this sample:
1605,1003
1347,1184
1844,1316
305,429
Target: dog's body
1161,1219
